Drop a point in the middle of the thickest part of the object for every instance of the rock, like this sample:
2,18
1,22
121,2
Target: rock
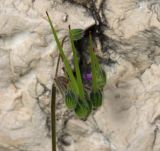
85,135
93,142
28,57
65,17
79,2
129,33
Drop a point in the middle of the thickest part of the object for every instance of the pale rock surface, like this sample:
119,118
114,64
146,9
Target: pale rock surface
28,57
129,119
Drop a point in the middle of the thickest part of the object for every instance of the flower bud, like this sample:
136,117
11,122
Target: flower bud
70,99
83,109
96,98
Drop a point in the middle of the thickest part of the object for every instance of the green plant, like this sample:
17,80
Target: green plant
76,96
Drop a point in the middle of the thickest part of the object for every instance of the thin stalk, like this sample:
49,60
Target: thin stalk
66,62
76,64
59,57
53,117
58,61
93,68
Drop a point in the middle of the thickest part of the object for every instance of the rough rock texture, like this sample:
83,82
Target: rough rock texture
129,33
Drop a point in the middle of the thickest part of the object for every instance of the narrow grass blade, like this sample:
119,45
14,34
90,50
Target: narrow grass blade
76,64
74,84
100,74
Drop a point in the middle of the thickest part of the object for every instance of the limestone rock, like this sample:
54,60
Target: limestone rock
28,57
129,33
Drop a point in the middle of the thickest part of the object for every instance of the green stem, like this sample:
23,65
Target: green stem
53,117
97,66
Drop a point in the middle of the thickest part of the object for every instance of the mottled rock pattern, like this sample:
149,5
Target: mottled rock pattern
129,119
28,57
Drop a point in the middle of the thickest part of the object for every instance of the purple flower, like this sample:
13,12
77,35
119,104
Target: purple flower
87,76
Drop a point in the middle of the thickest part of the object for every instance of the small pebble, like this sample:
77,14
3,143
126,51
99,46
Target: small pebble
65,17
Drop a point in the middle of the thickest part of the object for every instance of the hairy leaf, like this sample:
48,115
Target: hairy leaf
74,84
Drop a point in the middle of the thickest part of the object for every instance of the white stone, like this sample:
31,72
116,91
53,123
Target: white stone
128,120
28,57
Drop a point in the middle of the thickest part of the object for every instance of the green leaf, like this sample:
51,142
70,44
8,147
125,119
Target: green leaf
76,65
101,78
77,34
74,84
98,75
